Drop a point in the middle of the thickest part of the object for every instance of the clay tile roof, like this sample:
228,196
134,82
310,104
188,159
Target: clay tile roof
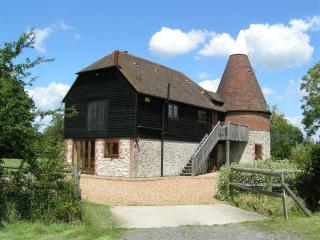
152,79
239,87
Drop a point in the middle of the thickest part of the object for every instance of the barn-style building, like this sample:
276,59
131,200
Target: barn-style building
137,118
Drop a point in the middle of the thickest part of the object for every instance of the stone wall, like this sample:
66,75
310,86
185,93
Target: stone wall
68,143
117,167
142,158
148,157
244,152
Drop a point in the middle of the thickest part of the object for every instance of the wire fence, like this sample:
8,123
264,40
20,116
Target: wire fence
50,196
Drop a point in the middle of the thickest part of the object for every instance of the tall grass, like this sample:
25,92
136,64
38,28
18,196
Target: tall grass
98,223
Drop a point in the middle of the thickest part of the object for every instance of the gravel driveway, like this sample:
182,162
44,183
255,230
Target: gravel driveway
225,232
149,191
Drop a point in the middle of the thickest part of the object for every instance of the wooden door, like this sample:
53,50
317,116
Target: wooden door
84,155
257,151
214,119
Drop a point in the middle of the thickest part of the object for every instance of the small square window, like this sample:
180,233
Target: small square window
111,149
202,116
173,110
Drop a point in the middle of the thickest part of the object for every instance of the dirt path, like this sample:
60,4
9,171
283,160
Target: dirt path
149,191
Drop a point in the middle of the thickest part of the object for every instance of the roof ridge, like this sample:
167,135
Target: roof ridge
171,69
154,63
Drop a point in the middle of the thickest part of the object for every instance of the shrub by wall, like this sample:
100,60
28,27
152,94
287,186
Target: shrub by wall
2,195
308,182
47,192
249,178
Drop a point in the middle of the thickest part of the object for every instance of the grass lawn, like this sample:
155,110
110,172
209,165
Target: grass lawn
98,224
265,205
11,162
307,228
298,223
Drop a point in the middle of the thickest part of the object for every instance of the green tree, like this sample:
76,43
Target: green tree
308,181
284,136
52,137
17,109
2,196
311,101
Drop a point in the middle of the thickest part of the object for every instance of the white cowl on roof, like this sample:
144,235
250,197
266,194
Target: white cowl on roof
240,45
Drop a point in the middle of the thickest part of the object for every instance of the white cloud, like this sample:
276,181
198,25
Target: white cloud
77,36
277,46
50,97
292,91
219,45
296,121
42,122
40,36
211,85
272,46
293,88
204,75
311,23
170,42
65,27
267,91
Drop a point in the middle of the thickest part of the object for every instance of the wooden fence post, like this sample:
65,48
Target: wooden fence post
284,200
285,188
228,152
231,181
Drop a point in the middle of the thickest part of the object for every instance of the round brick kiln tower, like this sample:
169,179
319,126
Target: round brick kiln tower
245,104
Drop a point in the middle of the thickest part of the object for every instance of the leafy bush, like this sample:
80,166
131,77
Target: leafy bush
249,178
308,182
46,193
283,134
301,154
2,194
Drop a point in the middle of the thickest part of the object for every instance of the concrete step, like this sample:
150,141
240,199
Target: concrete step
186,170
185,174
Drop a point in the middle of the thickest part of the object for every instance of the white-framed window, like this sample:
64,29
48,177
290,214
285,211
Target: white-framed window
173,110
111,148
202,116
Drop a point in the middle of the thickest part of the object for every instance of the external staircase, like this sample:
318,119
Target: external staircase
198,162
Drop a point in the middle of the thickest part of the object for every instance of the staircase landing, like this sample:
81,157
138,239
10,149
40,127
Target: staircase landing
198,162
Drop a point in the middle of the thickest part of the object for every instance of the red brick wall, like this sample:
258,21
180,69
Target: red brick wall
255,121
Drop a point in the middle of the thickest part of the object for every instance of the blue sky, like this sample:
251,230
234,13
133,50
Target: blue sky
194,37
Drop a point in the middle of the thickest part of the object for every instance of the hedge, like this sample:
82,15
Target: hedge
249,178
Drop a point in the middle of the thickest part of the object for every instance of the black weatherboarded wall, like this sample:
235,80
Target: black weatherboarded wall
128,114
184,128
107,84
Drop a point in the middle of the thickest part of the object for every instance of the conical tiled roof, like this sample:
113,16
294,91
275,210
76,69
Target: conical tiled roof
239,87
